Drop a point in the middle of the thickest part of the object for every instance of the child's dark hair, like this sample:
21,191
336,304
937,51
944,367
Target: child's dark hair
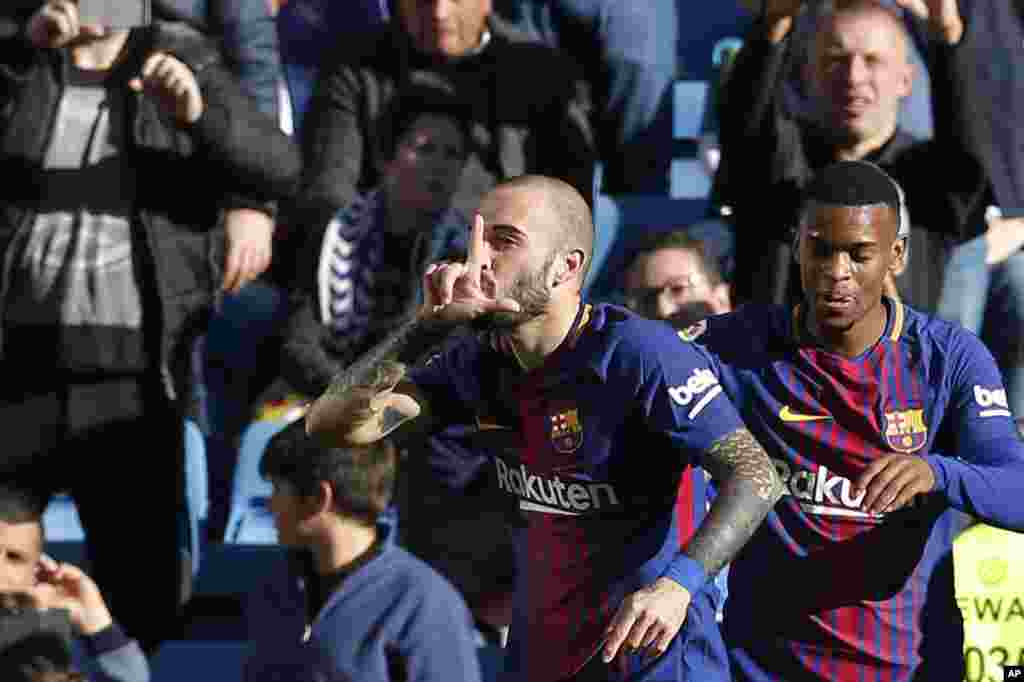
362,478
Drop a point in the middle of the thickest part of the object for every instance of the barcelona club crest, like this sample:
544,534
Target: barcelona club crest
905,430
566,430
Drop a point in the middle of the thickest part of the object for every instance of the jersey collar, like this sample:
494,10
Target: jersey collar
503,344
895,318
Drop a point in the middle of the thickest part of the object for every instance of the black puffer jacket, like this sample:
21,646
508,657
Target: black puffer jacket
233,156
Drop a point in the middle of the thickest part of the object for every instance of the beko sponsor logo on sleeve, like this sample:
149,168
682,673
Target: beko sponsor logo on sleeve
992,401
702,387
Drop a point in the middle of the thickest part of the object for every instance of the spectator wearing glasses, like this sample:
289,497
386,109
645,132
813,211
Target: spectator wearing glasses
672,277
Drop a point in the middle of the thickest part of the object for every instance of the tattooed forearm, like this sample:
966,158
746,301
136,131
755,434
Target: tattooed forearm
359,406
739,456
748,487
378,368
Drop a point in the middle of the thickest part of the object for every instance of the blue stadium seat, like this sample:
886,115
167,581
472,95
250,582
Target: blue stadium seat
250,521
198,660
688,177
61,522
196,496
65,538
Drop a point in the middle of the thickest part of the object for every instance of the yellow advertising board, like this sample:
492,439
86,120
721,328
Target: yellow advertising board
989,565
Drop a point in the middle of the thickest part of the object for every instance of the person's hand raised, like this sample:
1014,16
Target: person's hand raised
773,8
778,15
65,586
942,15
56,23
1004,238
459,292
173,85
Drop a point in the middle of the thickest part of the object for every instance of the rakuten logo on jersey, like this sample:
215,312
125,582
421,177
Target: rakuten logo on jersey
992,401
703,383
571,497
823,493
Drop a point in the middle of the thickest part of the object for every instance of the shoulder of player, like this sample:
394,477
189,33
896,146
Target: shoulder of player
942,336
461,348
622,330
750,327
617,340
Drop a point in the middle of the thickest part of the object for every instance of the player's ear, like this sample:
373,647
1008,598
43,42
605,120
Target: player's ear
898,261
569,266
321,501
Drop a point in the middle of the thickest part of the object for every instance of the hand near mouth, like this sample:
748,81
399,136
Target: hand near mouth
459,292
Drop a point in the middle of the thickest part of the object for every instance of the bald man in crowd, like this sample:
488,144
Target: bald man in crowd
591,416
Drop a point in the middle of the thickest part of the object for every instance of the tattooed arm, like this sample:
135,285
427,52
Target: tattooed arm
369,400
749,486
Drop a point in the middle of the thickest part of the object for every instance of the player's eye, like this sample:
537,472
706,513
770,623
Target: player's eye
862,255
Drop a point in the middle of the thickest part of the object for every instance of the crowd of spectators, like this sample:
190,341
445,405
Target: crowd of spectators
226,206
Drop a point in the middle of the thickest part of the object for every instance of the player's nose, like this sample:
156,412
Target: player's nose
838,267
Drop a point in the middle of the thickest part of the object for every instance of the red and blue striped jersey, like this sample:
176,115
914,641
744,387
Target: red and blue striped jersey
590,448
825,591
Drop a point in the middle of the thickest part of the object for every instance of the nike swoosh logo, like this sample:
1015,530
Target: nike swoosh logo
787,415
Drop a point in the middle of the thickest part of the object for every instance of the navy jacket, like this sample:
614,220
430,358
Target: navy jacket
394,613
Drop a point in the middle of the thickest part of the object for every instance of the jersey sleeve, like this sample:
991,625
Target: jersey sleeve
680,394
443,377
681,397
984,475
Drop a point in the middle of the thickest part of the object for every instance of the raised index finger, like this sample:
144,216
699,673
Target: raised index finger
475,259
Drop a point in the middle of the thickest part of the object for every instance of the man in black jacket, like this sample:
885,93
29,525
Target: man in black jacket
860,76
119,152
529,105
